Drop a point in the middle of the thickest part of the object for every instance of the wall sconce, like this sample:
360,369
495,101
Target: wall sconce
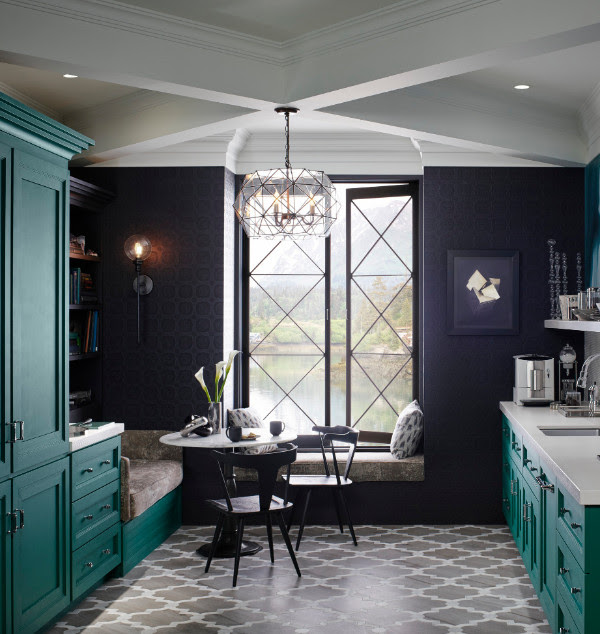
138,248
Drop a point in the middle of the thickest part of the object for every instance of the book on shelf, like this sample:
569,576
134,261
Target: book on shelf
82,288
84,332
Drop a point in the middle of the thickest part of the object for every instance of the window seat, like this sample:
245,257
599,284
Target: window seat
368,466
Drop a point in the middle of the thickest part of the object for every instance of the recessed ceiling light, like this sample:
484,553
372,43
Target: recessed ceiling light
522,87
69,76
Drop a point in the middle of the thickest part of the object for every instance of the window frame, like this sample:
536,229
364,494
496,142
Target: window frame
242,300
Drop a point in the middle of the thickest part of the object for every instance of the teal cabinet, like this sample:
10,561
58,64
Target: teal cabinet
38,315
530,534
40,549
6,527
5,250
548,545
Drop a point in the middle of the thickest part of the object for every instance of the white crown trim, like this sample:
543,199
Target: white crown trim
29,101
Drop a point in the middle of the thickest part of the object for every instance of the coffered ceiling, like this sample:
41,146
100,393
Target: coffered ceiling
382,87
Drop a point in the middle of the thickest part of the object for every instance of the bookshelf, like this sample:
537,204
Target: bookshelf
87,203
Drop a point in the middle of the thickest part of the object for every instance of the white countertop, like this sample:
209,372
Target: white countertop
574,459
92,436
220,440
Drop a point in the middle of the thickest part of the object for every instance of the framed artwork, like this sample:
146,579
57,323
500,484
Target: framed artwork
483,293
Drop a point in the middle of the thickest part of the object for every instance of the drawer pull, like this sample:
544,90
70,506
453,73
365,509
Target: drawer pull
527,461
88,517
106,551
575,525
564,630
88,470
515,446
544,485
525,514
512,491
107,462
564,511
575,590
89,564
563,571
532,469
107,507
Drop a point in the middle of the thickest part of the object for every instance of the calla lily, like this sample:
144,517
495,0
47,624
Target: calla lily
200,378
232,356
218,373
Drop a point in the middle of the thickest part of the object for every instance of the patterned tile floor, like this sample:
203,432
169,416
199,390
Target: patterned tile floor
409,579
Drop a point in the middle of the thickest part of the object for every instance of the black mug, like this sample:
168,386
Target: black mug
234,433
276,427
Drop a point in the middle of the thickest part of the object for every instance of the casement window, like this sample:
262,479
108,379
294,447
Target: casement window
330,326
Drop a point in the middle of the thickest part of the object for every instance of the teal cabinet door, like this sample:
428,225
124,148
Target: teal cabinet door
5,557
5,235
548,546
41,568
39,309
514,495
530,534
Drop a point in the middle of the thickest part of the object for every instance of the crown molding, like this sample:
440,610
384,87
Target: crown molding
112,14
29,101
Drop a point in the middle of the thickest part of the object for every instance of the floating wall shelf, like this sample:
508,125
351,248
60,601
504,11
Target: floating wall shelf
581,326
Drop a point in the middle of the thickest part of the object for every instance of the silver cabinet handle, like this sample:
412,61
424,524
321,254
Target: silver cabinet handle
532,468
88,517
526,517
545,486
13,436
575,525
106,551
14,526
527,461
89,564
563,510
512,492
575,590
107,507
563,571
515,446
88,470
21,513
107,462
564,630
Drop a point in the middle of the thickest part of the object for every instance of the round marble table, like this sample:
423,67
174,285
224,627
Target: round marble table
227,541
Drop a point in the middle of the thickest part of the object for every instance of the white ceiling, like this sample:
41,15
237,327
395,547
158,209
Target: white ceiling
382,87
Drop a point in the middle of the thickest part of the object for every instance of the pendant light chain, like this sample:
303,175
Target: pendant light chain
287,141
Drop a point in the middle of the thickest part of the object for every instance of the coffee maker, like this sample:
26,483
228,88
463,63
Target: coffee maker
534,379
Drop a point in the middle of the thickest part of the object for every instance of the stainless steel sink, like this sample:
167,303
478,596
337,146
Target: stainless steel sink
571,431
578,411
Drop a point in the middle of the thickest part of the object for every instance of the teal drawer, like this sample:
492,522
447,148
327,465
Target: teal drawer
94,513
97,558
571,524
516,447
571,582
505,433
95,466
565,623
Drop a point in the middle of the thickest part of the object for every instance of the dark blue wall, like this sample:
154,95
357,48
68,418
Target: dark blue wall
181,210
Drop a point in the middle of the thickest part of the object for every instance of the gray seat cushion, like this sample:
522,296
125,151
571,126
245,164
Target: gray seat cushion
144,482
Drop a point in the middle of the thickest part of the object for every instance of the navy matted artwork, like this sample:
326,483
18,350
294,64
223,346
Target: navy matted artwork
483,293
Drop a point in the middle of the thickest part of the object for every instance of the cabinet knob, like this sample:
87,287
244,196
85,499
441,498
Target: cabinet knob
89,470
107,507
575,590
88,517
563,571
575,525
107,462
106,551
89,564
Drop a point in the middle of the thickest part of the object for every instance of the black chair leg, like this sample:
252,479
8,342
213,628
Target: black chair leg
343,499
238,549
293,511
215,541
288,543
270,536
337,510
303,522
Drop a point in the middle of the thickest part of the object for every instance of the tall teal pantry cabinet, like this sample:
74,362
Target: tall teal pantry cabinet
34,437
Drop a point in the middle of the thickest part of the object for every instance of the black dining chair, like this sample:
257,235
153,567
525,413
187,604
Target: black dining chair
335,482
264,504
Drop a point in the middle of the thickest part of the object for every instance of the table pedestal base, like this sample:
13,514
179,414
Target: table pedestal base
226,548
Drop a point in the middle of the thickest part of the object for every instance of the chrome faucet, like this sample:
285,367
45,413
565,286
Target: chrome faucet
582,380
592,398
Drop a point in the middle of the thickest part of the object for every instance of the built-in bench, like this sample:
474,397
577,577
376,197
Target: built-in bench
367,466
151,476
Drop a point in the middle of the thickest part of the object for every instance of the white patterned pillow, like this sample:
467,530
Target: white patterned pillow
408,431
248,417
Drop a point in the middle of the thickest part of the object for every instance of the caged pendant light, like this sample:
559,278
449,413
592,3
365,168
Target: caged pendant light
285,202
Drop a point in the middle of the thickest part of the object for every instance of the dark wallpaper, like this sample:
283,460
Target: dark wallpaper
152,385
181,211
